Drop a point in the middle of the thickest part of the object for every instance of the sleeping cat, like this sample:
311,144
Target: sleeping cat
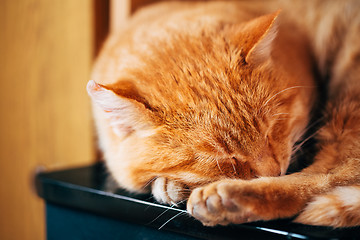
206,101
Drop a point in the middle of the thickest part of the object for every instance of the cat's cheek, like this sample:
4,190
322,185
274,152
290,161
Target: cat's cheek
123,161
126,179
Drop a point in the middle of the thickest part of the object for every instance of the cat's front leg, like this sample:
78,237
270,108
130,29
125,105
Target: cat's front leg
169,191
240,201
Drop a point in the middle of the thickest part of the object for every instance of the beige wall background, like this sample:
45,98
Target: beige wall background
46,51
47,48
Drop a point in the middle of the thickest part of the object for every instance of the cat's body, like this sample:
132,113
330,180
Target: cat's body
207,96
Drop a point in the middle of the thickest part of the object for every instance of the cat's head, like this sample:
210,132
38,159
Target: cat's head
202,108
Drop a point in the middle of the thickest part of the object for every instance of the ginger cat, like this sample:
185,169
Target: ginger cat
212,97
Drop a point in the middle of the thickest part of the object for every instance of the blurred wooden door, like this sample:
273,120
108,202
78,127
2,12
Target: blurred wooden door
47,48
46,52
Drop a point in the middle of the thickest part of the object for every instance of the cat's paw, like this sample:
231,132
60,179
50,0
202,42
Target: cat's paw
214,204
168,191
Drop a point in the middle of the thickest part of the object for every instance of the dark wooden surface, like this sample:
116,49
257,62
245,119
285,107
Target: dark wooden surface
88,190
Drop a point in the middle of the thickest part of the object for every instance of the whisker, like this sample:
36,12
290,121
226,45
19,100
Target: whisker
172,206
298,146
286,89
280,114
176,204
313,124
182,201
232,163
148,183
217,162
279,119
178,214
180,191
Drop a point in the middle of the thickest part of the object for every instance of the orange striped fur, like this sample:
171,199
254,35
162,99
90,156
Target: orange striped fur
210,99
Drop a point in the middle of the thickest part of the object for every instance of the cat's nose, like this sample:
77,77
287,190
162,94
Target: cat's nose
269,171
267,166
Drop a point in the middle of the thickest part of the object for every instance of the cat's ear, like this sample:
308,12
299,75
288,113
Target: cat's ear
260,33
126,110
